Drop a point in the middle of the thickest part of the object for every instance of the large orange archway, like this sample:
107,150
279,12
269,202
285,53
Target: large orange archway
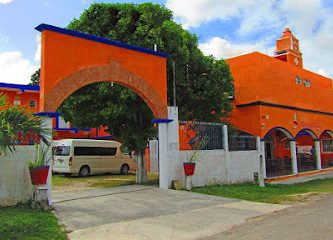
71,60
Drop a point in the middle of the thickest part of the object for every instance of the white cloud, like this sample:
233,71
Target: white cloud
193,13
14,68
5,1
222,48
38,50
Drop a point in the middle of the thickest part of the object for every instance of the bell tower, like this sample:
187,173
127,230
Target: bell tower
287,49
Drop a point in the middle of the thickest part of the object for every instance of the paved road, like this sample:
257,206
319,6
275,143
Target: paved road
141,212
310,222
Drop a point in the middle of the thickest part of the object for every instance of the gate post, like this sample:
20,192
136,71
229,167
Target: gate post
168,146
163,152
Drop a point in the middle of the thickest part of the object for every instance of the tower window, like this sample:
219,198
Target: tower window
307,83
298,80
32,104
17,100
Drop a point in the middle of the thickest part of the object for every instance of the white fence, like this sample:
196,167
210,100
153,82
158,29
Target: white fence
15,183
218,167
215,167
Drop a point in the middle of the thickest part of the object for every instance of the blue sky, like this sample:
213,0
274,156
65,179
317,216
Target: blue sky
225,28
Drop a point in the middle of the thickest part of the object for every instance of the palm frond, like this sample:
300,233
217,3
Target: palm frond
17,119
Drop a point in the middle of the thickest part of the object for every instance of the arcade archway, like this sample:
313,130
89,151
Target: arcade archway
278,152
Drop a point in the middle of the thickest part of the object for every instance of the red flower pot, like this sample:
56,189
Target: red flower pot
39,175
189,168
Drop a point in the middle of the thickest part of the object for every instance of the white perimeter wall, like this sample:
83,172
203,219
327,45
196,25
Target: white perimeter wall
15,183
217,167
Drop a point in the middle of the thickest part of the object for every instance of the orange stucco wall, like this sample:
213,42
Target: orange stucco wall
258,77
24,97
63,55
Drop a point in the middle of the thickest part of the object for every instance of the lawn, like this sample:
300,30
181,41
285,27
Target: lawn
269,194
23,223
105,180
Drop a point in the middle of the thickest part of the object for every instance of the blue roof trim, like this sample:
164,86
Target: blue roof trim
73,33
20,87
162,120
105,137
47,114
75,130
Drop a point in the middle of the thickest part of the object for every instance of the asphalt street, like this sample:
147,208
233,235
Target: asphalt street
309,222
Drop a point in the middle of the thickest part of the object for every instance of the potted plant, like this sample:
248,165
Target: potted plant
38,167
194,155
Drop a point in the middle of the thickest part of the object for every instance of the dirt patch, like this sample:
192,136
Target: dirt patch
74,187
304,198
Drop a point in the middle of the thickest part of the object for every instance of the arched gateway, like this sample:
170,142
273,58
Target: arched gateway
71,60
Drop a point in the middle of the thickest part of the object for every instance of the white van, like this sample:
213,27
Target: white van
85,156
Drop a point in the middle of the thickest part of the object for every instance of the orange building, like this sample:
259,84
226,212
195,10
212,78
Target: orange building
28,97
289,107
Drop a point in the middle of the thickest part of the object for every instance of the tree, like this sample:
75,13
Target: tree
199,79
35,78
16,119
203,83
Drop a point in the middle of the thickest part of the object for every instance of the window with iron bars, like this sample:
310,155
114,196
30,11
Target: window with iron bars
242,143
191,133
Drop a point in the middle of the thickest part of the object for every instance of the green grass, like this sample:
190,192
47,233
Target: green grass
23,223
269,194
59,181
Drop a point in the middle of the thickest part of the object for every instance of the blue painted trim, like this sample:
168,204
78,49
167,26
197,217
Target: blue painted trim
162,120
76,130
47,114
276,128
305,130
106,137
20,87
73,33
327,131
57,122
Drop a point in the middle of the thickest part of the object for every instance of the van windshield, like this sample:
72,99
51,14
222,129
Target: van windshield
62,151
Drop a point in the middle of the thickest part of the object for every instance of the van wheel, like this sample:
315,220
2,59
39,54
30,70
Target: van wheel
84,171
124,169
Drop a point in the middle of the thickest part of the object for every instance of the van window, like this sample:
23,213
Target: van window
62,151
94,151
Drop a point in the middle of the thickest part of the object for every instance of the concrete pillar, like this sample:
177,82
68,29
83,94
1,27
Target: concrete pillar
168,140
47,123
317,151
225,138
293,156
262,159
163,155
